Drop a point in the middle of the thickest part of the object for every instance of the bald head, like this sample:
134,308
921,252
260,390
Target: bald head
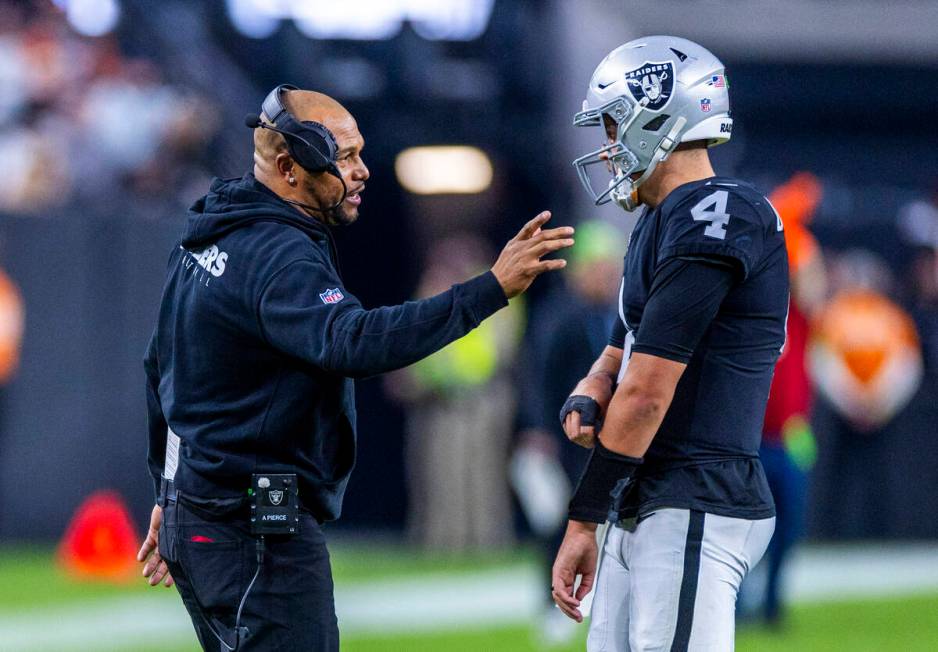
310,105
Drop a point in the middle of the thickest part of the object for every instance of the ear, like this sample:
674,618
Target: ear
284,164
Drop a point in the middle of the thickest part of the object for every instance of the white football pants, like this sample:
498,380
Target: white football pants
669,582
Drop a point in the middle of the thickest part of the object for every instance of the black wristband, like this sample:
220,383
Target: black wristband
586,406
602,485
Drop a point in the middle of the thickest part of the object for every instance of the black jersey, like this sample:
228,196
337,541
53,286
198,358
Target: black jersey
705,455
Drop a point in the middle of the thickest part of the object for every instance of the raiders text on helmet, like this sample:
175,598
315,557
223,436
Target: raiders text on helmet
659,91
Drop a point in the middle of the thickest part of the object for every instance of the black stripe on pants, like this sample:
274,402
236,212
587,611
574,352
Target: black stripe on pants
685,608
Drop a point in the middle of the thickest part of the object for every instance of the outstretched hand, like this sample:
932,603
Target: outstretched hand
520,262
154,568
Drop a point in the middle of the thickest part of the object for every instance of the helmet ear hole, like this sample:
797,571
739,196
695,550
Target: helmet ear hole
656,123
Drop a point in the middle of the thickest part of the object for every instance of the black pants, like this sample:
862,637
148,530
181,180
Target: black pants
212,559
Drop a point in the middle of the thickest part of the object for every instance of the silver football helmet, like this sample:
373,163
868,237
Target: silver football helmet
659,91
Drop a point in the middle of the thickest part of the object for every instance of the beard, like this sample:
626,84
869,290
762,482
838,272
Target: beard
341,215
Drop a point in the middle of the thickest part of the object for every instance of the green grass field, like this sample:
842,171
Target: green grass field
29,577
902,625
29,581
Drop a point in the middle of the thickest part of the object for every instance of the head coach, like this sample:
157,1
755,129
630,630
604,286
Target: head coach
250,377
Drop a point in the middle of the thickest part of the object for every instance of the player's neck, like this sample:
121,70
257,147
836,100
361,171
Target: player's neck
683,166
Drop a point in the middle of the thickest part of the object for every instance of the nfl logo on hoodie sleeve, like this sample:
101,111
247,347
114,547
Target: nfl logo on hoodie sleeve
333,295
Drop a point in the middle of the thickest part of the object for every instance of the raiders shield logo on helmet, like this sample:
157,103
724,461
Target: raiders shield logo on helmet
652,80
276,496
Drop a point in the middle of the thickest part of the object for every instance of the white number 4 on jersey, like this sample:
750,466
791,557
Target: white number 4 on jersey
712,208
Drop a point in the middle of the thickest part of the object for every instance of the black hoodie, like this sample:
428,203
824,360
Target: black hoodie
257,341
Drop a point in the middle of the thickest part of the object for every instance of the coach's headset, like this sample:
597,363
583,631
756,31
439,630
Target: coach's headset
310,143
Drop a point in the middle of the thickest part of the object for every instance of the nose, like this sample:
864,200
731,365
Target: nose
361,172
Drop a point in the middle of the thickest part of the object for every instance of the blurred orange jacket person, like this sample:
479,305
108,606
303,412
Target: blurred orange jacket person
789,404
866,357
12,316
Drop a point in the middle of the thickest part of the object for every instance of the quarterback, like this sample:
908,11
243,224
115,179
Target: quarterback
673,407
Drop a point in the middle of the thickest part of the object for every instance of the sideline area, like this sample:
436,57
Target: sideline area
435,600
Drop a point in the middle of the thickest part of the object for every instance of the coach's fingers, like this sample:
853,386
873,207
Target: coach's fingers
529,229
558,233
169,581
148,546
545,266
159,573
151,564
550,246
145,550
150,543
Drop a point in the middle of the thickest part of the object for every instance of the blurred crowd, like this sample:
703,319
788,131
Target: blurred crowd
81,121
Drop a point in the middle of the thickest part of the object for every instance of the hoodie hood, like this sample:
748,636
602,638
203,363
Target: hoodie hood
235,203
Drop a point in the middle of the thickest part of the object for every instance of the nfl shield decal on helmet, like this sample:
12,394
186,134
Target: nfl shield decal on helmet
654,81
705,105
276,496
332,296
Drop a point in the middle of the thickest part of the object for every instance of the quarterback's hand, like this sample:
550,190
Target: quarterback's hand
599,388
577,556
154,568
520,262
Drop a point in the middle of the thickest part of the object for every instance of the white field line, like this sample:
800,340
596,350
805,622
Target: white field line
441,602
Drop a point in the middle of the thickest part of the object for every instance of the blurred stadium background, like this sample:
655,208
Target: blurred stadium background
114,114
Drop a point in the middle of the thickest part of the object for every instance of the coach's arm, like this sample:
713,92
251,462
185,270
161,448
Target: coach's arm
344,338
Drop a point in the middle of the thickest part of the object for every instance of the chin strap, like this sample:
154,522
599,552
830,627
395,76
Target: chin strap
629,201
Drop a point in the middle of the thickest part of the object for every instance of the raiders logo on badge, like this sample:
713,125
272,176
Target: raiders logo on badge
652,80
276,496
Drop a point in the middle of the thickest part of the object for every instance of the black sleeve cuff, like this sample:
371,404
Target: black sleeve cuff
484,294
682,356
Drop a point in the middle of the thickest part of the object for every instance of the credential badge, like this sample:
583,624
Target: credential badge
276,496
654,80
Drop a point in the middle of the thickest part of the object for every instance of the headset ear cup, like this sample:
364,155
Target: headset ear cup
311,144
303,156
322,134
